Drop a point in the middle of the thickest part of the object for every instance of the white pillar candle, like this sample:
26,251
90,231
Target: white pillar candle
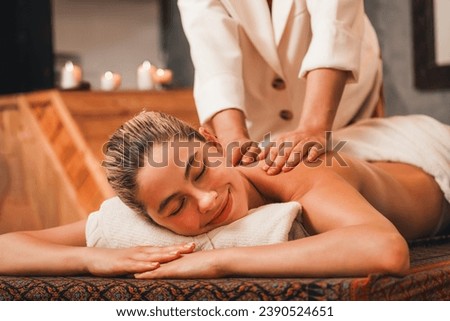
110,81
162,77
145,76
70,76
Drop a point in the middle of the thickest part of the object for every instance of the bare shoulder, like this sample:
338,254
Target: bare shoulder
291,185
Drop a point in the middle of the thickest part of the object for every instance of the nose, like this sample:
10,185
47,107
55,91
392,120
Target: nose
206,201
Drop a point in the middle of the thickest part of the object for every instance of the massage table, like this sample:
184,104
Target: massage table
52,150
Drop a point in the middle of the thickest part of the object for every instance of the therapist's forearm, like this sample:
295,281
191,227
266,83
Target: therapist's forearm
323,94
229,124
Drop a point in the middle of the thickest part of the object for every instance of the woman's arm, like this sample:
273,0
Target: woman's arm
354,251
351,239
62,251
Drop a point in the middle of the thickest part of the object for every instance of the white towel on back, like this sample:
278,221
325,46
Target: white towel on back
414,139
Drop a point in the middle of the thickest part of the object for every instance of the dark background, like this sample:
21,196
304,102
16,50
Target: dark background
26,52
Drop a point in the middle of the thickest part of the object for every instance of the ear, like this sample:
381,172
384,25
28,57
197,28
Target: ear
209,136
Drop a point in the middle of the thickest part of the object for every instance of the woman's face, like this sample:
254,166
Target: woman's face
188,187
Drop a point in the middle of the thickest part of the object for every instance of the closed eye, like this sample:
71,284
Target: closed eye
203,170
179,208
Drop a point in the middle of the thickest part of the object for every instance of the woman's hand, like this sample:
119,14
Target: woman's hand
198,265
113,262
291,148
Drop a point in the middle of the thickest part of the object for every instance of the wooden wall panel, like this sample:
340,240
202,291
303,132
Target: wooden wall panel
51,150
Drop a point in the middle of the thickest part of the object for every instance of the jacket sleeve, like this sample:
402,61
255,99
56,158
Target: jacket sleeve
337,33
214,45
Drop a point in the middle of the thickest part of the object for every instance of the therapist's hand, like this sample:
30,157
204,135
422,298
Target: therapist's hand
323,94
240,151
232,134
291,148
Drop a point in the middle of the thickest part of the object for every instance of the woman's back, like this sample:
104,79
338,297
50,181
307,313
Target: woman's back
403,193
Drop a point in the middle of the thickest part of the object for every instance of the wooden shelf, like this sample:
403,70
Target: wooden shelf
99,113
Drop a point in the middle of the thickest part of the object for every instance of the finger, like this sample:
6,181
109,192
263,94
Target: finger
140,266
169,248
145,275
187,248
161,257
267,145
278,156
314,152
164,254
269,160
251,155
133,266
263,153
271,155
181,248
236,156
156,274
298,153
280,161
294,159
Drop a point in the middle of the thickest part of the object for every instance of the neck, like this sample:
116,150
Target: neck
254,196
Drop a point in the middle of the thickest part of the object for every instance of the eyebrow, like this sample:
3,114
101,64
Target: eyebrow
187,171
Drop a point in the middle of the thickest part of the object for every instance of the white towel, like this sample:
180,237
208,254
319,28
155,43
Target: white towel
414,139
115,225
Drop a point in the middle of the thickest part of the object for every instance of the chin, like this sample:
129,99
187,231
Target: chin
242,213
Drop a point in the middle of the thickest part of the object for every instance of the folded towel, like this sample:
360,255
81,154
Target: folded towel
417,140
115,225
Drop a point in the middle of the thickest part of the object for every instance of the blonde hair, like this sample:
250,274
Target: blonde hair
127,149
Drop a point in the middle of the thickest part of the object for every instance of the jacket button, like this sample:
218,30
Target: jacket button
286,114
278,84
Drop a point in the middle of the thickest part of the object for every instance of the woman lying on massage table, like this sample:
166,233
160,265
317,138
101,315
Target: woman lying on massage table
357,213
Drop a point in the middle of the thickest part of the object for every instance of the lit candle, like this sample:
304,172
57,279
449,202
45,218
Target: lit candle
110,81
70,76
145,76
162,77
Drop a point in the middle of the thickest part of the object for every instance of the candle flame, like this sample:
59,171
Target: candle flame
109,75
69,65
146,64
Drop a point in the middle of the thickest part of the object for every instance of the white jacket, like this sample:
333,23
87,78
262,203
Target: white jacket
240,53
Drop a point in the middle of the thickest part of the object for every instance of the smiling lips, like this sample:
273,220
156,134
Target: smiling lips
223,212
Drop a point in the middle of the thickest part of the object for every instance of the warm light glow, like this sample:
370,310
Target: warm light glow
146,64
162,76
69,66
109,75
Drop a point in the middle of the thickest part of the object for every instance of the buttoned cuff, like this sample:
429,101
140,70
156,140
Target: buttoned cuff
333,47
219,93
